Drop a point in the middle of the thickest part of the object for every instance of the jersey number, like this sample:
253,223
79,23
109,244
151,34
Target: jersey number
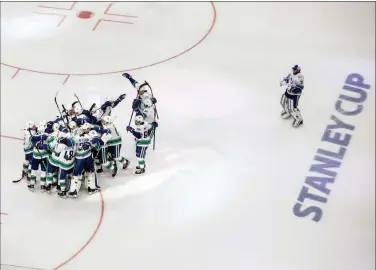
68,155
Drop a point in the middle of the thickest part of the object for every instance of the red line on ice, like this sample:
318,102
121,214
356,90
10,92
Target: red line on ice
74,3
44,13
115,14
78,252
103,20
130,69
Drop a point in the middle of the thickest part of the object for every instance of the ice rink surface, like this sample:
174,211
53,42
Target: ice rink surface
224,188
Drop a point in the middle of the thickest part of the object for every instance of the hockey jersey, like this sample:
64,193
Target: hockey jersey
62,154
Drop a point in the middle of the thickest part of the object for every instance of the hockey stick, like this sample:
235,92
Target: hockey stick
155,113
155,106
78,101
22,177
92,107
66,117
58,108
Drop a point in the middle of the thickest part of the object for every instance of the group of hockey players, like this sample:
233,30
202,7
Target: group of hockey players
77,145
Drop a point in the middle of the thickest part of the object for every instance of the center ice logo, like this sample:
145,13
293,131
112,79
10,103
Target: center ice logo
337,137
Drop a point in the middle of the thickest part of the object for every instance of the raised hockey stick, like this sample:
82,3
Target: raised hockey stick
155,106
58,108
66,117
78,101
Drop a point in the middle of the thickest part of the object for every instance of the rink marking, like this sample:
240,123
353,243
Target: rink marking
214,19
23,267
115,14
10,137
329,157
53,14
104,20
15,74
88,242
74,3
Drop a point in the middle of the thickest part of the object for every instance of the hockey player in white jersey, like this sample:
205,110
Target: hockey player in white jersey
28,149
106,108
85,162
143,133
114,143
63,158
144,101
39,159
290,99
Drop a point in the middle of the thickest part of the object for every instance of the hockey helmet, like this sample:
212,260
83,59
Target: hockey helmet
147,103
30,125
139,120
72,124
296,69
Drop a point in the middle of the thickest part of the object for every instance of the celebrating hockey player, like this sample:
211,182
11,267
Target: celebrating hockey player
143,134
144,99
290,99
28,149
61,159
39,159
85,162
114,143
107,107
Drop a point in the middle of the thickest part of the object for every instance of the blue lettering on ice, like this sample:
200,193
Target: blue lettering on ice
327,162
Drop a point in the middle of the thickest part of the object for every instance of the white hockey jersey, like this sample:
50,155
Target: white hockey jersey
115,135
62,156
296,80
27,144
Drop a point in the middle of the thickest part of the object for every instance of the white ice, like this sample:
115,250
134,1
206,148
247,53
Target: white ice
227,170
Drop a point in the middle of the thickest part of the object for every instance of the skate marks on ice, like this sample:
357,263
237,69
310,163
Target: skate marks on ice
168,165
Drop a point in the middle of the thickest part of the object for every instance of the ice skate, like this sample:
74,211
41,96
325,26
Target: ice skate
139,170
125,165
72,194
62,194
91,191
31,187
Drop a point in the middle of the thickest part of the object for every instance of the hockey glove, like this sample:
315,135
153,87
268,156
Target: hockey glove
126,75
154,124
136,103
121,97
130,129
63,140
86,146
153,100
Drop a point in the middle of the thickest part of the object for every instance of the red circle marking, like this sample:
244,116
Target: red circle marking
160,62
85,14
131,69
78,252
